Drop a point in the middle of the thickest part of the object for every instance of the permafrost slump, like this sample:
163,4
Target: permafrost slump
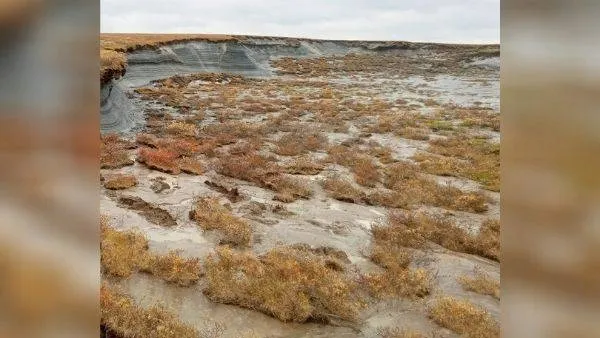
249,58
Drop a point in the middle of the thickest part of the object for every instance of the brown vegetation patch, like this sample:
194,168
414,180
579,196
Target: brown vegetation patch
173,268
112,65
249,167
472,158
397,282
123,318
409,188
182,129
343,190
482,118
413,230
159,159
127,42
125,252
113,152
365,171
232,193
121,252
286,283
481,283
150,212
288,188
211,215
304,165
190,166
464,318
147,140
120,182
300,142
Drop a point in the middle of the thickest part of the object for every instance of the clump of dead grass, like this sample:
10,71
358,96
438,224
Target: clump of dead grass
211,215
159,159
288,188
113,152
120,182
472,158
343,190
182,129
173,268
464,318
409,187
123,318
365,171
300,142
251,167
488,239
396,282
286,283
121,252
112,65
190,166
125,252
304,166
413,230
481,283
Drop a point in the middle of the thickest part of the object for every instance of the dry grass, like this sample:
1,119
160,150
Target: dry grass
305,165
410,188
147,140
113,152
159,159
488,239
265,173
125,252
172,268
481,283
211,215
126,42
300,142
397,282
464,318
365,171
481,118
190,166
413,230
472,158
343,190
407,187
112,65
288,188
121,252
121,317
182,129
120,182
249,167
288,284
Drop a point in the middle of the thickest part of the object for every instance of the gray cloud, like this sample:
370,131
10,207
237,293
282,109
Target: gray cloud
461,21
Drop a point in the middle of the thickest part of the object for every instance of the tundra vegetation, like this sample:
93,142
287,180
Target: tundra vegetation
274,177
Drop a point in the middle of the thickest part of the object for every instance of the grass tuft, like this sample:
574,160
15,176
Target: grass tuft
211,215
289,284
464,318
121,317
481,283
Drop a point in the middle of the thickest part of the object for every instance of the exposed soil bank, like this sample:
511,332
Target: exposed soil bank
248,56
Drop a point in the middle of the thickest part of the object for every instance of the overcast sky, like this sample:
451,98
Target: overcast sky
460,21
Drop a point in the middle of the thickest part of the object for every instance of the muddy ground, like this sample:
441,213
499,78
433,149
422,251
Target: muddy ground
346,112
